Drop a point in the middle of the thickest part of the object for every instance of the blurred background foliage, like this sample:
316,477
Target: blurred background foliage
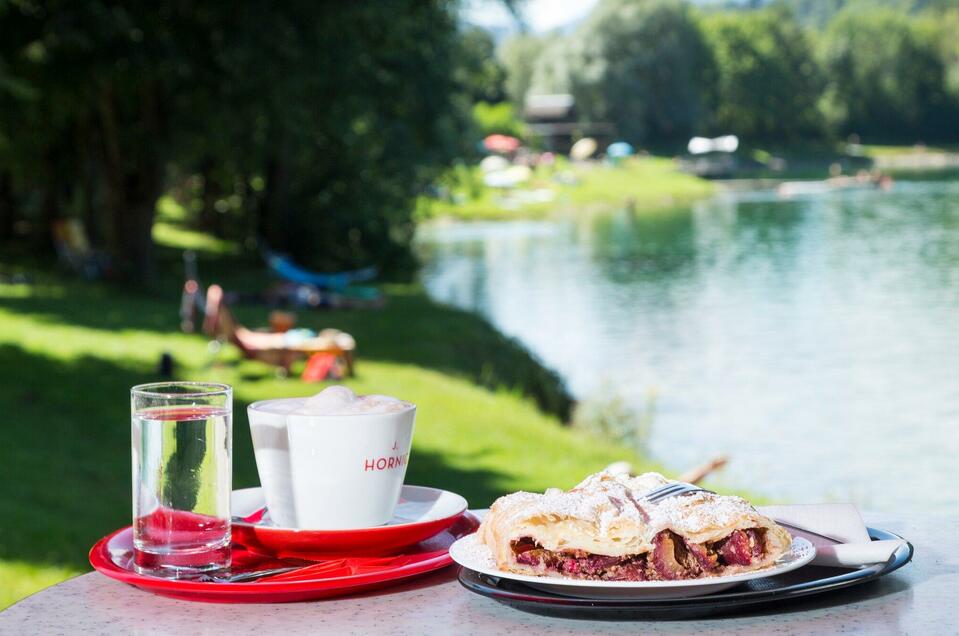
768,82
783,71
886,74
644,66
312,128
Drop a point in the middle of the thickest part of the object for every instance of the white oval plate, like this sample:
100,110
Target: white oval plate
472,554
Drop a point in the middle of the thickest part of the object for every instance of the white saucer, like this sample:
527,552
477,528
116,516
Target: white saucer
417,504
420,513
472,554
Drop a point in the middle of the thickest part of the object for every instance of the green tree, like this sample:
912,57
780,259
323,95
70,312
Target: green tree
340,113
885,79
519,55
642,65
559,68
498,118
942,28
365,120
660,71
478,70
768,84
99,127
818,13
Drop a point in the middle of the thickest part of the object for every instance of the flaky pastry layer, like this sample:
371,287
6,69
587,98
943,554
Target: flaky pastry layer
603,529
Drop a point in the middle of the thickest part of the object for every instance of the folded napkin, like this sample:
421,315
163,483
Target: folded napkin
845,542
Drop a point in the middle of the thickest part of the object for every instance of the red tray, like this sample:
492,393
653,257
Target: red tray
113,556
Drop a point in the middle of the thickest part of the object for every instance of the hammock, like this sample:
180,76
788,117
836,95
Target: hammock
285,268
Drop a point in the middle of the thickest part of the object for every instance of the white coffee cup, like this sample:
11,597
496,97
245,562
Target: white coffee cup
334,470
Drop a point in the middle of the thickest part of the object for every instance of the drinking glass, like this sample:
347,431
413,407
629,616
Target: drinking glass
182,474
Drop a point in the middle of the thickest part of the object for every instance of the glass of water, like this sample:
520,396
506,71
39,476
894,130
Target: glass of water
182,474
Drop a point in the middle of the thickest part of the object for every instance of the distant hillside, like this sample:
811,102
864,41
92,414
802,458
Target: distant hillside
819,12
815,13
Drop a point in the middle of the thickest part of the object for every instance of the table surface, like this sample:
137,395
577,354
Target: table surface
920,598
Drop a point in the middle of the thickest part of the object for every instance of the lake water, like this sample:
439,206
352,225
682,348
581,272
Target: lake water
814,340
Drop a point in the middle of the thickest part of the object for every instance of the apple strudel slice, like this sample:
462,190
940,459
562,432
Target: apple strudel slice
603,530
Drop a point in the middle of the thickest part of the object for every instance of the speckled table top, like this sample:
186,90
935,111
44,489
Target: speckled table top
921,598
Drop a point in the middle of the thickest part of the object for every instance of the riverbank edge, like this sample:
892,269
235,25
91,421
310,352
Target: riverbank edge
654,183
642,184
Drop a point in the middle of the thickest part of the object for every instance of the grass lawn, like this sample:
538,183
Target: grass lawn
873,150
69,352
815,160
647,182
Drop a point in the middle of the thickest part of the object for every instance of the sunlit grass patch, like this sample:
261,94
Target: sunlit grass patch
640,182
171,230
21,579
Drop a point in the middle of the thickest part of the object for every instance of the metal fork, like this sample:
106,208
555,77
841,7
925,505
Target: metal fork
245,576
672,490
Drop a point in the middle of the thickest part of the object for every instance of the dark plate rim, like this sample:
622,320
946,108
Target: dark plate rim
488,586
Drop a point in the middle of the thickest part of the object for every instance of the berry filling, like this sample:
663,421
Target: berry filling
671,558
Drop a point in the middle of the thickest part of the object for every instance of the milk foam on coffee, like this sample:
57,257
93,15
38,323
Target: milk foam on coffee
340,400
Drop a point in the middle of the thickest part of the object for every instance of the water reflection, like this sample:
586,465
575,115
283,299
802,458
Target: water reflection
814,340
634,248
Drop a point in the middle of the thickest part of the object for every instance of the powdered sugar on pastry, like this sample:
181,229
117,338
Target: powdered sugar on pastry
605,516
605,499
600,513
703,514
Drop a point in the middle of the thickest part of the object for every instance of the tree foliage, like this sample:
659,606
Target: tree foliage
500,118
643,66
768,82
884,78
661,71
478,70
519,55
819,13
313,125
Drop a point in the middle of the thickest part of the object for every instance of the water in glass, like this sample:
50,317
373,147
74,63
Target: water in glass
181,482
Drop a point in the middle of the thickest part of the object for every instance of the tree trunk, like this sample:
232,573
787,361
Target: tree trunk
140,247
87,160
133,225
7,207
51,212
210,220
113,199
275,205
132,188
